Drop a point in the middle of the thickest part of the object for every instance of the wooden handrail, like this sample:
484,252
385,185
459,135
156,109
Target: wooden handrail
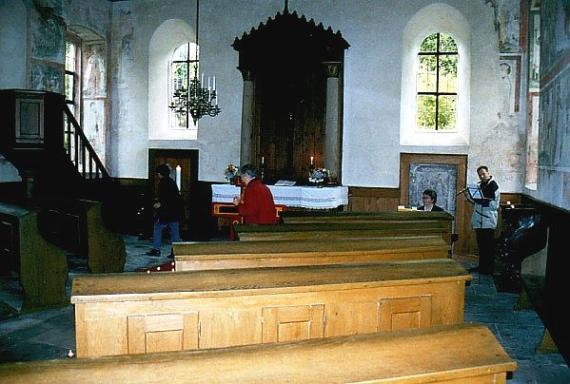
81,144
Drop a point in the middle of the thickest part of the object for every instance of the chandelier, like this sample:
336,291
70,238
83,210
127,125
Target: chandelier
196,99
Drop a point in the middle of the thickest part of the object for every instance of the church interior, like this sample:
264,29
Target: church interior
347,110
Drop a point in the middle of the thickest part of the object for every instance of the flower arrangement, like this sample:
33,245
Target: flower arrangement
318,175
231,172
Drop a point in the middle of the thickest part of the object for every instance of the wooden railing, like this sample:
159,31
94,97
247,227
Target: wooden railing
79,150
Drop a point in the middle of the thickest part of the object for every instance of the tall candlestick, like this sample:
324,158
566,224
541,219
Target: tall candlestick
179,177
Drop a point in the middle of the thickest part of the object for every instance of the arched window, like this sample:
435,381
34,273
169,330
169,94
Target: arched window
436,73
436,83
183,68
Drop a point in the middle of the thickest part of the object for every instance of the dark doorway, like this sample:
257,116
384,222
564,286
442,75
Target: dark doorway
187,161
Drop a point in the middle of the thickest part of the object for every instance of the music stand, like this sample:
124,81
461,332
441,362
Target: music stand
476,195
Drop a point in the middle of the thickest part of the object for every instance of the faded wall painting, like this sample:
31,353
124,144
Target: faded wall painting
95,71
94,125
509,69
532,142
507,24
48,39
440,177
47,76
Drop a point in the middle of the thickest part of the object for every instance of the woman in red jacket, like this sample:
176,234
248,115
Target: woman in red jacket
256,204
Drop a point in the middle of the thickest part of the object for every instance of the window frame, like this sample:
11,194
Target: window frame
437,94
189,64
76,75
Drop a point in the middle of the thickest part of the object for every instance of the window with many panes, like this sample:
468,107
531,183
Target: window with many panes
183,67
72,75
436,84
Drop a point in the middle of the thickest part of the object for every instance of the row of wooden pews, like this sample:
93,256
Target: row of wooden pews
309,310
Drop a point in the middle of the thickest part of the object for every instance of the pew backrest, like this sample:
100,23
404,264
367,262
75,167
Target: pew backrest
226,255
451,354
133,313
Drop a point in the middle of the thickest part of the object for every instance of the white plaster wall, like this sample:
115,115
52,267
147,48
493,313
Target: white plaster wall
372,85
13,44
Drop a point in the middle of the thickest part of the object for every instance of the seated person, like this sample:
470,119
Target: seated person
429,198
256,203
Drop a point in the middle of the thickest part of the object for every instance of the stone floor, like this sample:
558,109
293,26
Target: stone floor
49,334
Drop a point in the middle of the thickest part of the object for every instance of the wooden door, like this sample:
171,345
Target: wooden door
183,165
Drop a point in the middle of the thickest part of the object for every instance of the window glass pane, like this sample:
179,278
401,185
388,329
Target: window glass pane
446,43
447,113
427,74
69,56
180,75
71,108
194,52
448,73
429,44
180,53
69,84
426,112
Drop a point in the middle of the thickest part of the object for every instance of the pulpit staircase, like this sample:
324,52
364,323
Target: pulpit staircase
40,136
43,140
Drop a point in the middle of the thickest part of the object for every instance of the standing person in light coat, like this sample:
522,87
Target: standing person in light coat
484,219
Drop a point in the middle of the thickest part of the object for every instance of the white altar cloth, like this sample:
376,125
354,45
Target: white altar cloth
290,196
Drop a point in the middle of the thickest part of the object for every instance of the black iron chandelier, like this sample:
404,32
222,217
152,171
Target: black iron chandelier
194,98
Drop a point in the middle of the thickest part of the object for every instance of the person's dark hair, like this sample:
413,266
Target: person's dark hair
431,193
248,170
163,169
482,167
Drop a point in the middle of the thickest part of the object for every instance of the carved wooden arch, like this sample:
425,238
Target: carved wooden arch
285,63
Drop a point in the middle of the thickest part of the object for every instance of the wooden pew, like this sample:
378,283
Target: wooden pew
353,231
314,217
226,255
133,313
457,354
41,266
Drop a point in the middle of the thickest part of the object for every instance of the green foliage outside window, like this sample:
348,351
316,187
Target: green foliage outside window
437,83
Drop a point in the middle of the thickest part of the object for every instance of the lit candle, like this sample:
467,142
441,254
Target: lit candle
312,159
179,177
262,160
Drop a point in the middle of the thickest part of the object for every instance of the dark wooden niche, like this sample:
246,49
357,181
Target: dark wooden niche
285,58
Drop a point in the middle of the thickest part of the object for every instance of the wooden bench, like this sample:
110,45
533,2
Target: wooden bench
314,217
225,255
458,354
326,231
40,265
133,313
78,226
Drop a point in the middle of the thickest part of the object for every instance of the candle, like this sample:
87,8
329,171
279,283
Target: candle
202,82
508,203
214,86
262,160
312,159
209,84
179,177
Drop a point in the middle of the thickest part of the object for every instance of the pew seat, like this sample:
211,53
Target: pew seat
134,313
457,354
224,255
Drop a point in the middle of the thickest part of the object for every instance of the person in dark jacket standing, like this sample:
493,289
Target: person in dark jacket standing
256,204
429,198
167,207
484,219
